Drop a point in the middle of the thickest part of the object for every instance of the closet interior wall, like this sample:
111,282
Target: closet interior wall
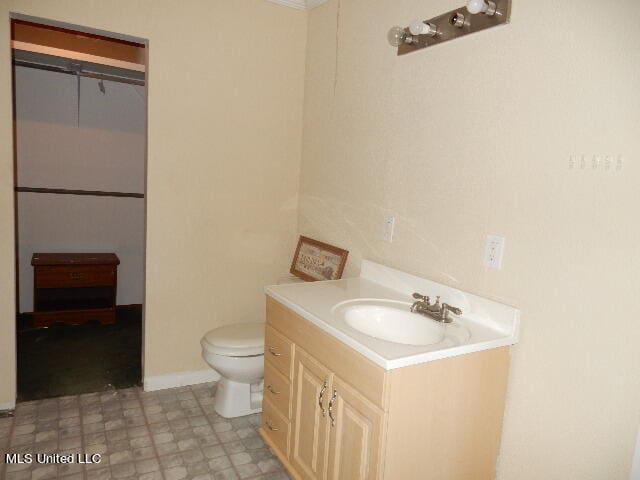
80,133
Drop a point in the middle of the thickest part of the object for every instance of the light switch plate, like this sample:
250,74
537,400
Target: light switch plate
494,251
387,228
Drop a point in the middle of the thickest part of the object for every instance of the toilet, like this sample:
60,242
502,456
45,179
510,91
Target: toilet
236,352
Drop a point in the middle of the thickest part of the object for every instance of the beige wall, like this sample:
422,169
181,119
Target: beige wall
474,137
225,119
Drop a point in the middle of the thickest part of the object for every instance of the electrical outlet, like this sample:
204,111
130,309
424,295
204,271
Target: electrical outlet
493,252
387,228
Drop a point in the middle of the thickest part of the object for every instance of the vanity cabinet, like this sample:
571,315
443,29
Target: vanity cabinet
336,431
330,413
354,436
310,425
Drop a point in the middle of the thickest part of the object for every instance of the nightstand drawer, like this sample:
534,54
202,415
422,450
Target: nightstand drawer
74,276
277,389
278,350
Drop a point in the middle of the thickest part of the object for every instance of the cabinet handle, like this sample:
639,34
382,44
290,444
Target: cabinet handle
333,399
273,351
272,390
75,276
271,427
320,399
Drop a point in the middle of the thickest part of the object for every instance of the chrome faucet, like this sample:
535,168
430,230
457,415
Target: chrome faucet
436,311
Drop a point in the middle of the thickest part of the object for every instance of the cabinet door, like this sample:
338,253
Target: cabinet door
355,435
312,384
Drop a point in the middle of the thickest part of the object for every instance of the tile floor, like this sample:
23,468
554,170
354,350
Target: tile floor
165,435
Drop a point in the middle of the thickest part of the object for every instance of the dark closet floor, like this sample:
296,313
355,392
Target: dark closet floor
74,359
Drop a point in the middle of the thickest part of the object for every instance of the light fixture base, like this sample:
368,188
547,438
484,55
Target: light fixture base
459,23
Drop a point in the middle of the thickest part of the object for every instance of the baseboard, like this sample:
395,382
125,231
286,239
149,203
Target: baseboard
635,467
179,379
7,406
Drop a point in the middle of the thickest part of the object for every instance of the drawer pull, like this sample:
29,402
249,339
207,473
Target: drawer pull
273,390
271,427
274,351
333,399
320,398
75,276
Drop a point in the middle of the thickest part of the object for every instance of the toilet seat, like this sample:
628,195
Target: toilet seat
238,340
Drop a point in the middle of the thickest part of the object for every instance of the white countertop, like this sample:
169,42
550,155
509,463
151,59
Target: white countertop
490,324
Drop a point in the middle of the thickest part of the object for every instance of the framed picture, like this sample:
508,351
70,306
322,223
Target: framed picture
316,260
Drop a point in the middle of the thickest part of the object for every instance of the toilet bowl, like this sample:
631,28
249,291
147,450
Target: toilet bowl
236,352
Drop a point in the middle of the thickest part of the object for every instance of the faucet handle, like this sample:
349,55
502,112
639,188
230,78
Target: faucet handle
424,298
446,308
454,310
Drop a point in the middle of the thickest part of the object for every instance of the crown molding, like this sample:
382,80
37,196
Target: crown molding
300,4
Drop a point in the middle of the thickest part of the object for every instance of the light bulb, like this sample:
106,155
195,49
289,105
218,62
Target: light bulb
481,6
418,27
477,6
397,36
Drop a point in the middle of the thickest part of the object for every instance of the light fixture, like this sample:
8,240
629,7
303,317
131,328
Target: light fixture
398,36
421,34
482,6
418,27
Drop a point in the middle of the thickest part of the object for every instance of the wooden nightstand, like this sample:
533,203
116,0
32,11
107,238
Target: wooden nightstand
74,288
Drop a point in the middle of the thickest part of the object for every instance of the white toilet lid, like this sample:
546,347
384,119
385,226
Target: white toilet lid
238,340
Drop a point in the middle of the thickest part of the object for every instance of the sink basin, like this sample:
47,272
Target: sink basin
390,320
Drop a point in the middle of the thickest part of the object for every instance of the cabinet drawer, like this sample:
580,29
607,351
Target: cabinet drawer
277,389
275,427
278,350
75,276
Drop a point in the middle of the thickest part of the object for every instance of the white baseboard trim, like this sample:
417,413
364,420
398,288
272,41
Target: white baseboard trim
635,467
179,379
7,406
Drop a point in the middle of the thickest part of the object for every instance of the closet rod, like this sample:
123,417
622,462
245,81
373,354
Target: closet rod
64,191
99,76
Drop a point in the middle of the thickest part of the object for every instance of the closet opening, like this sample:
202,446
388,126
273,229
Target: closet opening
80,139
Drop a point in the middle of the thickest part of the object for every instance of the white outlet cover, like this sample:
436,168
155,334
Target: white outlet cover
494,251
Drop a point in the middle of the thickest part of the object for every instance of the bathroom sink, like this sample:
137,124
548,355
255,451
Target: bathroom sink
390,320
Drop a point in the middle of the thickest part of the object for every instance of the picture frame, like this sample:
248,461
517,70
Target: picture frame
318,261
